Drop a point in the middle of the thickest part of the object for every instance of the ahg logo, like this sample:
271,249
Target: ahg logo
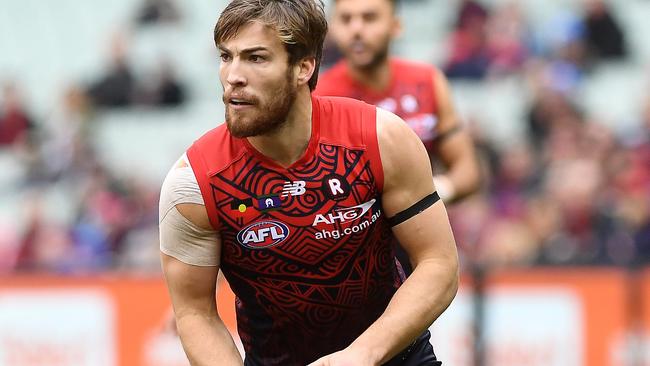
344,214
263,234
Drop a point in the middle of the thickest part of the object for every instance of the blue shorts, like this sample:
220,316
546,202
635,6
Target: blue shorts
419,353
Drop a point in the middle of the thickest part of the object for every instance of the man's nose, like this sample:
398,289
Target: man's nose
235,73
356,25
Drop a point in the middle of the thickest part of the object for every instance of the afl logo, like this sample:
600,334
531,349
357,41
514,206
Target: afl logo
263,234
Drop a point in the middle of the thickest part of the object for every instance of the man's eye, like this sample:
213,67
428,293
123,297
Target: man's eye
256,58
225,57
370,17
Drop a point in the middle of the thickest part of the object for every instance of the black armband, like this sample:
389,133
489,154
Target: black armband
450,132
415,209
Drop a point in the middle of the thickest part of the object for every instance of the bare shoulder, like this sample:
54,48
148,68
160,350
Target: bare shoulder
392,134
406,164
400,148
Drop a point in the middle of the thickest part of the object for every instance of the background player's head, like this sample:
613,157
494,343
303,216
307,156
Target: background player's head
363,30
270,49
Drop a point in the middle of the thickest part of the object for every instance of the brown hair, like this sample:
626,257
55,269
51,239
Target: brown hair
301,25
394,3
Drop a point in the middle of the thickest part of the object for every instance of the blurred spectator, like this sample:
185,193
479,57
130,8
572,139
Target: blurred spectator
564,51
116,88
18,130
469,56
469,13
45,245
138,250
158,11
15,122
548,108
631,178
9,247
563,30
506,31
65,137
574,184
104,216
163,89
514,181
508,242
604,37
121,88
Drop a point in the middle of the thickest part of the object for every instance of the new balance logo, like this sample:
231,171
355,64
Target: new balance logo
295,188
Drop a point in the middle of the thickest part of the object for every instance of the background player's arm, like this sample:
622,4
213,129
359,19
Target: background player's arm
192,289
454,147
426,237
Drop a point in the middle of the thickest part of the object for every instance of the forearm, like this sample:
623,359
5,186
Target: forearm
206,341
461,179
416,304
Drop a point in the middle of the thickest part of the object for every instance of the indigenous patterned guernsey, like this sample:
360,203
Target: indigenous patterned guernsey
410,94
306,249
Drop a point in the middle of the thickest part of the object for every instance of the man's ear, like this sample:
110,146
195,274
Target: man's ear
306,68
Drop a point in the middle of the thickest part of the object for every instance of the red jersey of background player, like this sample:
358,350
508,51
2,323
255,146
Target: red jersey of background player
306,249
410,94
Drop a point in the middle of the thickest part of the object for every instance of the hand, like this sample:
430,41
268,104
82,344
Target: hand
445,187
346,357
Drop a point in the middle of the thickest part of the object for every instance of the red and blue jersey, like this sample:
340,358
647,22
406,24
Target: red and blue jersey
306,249
409,94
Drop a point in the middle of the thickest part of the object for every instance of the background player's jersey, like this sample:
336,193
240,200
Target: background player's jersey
306,249
410,94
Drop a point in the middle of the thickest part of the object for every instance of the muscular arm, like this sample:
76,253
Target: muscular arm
185,229
426,237
454,147
205,339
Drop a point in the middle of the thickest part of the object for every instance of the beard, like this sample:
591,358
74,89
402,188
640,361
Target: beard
378,57
263,117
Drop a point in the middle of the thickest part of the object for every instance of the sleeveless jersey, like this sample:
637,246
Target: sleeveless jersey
306,249
410,94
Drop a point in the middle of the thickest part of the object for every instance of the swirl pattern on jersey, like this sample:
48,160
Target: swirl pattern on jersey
313,288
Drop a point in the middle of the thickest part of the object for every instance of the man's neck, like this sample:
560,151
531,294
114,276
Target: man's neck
288,143
376,78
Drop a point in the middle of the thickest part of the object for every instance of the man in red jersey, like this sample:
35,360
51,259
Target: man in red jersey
417,92
300,201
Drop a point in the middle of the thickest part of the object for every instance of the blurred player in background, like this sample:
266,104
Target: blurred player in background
417,92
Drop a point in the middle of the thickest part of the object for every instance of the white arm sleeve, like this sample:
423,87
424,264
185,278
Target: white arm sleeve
179,237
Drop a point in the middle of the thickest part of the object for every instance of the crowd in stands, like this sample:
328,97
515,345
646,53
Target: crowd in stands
112,219
573,192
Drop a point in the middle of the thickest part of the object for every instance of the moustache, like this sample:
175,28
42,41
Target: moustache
240,97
